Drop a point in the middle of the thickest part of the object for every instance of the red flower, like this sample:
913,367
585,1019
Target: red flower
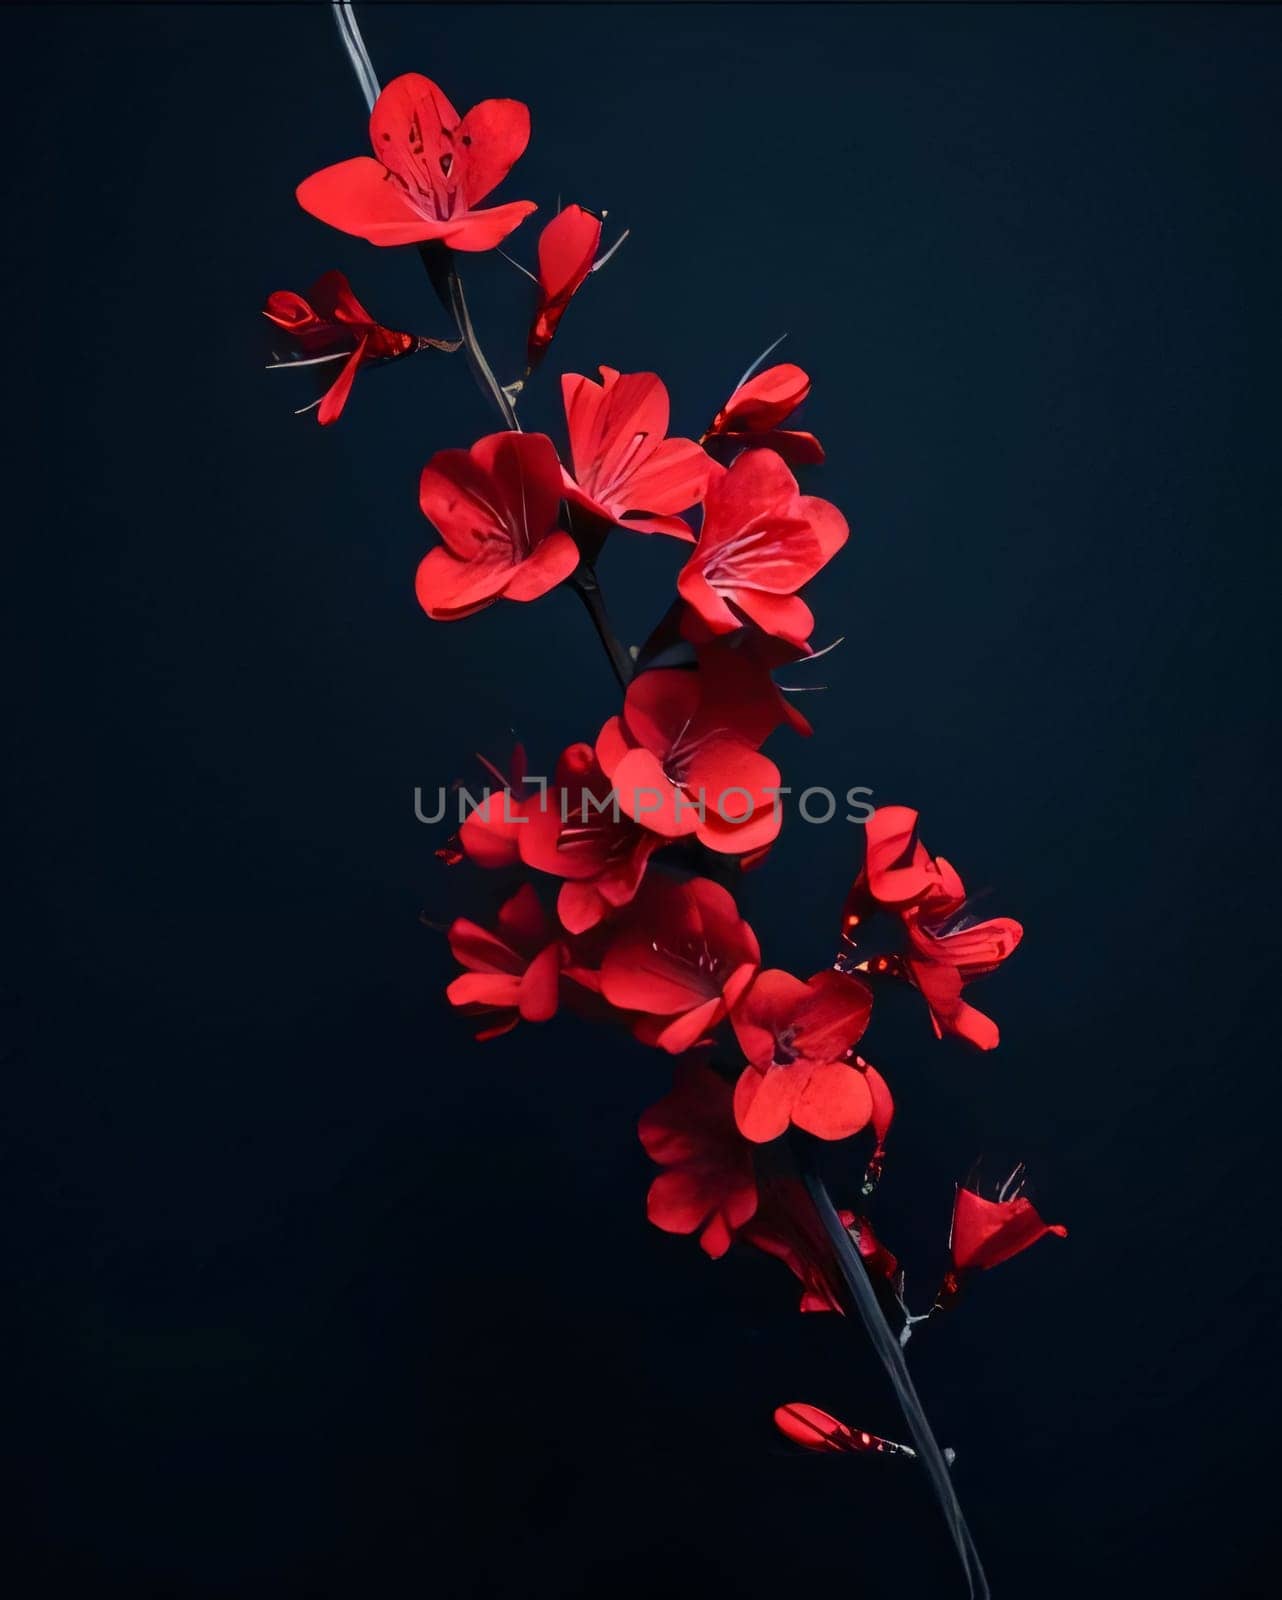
579,833
752,414
816,1430
683,760
513,972
496,507
798,1038
431,171
681,954
944,948
710,1183
331,323
761,540
626,470
567,249
987,1232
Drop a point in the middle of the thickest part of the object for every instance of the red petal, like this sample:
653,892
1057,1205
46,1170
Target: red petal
832,1101
331,407
898,869
696,591
498,131
691,1027
785,616
941,987
551,563
334,300
480,989
833,1016
523,921
480,950
476,231
448,588
539,985
673,477
765,400
646,795
359,197
727,772
612,745
290,311
680,1201
883,1105
579,906
763,1102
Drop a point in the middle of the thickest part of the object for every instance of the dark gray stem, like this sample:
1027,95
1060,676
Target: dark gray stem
439,261
585,585
855,1277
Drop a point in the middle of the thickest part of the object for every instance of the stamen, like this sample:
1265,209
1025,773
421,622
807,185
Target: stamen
601,261
533,277
769,350
309,361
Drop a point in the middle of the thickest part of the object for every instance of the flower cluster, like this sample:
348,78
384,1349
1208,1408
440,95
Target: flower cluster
642,929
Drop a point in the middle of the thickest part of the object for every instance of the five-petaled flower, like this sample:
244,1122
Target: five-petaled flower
710,1184
681,955
433,168
577,832
751,417
761,540
329,324
626,470
684,760
943,947
798,1039
496,506
567,249
513,971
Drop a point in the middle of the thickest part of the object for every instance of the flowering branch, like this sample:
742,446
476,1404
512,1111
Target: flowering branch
677,778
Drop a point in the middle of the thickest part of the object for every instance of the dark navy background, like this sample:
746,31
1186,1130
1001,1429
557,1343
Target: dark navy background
313,1296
